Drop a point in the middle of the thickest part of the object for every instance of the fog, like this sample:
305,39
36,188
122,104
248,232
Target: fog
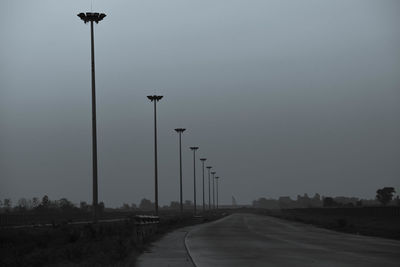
282,97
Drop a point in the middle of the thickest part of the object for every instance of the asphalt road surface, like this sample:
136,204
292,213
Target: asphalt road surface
255,240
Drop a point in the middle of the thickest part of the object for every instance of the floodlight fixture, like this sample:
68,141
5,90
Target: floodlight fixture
213,174
93,17
204,204
194,148
216,178
155,99
209,187
180,131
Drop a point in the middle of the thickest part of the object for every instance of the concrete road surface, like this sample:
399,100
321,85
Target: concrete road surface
254,240
170,251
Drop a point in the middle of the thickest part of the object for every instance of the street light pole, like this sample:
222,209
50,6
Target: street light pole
155,99
209,188
180,131
213,174
93,17
216,179
204,204
194,148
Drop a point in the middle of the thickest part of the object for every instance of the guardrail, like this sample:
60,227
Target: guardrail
146,225
58,217
146,219
51,220
142,226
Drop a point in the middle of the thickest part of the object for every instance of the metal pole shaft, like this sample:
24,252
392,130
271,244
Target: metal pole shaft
209,191
194,180
217,193
94,131
155,158
204,204
213,192
180,169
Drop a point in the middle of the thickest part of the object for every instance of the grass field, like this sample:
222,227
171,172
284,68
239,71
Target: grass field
365,221
87,245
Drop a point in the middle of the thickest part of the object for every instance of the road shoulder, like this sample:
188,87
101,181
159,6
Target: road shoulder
168,251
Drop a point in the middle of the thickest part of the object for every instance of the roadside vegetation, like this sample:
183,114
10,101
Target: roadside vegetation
350,215
46,233
101,244
364,221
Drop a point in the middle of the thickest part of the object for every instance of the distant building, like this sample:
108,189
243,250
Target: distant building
263,203
286,202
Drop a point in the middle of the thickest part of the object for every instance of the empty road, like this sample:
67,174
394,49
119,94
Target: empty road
255,240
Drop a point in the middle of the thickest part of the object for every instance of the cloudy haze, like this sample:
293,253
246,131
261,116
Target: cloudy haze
282,97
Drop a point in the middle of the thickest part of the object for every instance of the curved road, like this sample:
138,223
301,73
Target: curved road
255,240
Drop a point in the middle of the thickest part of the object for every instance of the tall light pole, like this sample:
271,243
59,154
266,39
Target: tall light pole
213,174
93,17
216,179
194,148
180,131
204,204
209,188
155,99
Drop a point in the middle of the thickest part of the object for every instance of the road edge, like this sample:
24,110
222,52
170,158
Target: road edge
187,249
194,230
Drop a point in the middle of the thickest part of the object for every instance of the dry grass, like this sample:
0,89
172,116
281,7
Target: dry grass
380,226
84,245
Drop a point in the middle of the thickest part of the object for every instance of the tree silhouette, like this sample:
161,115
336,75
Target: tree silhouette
65,204
35,202
45,202
7,203
84,206
101,206
146,204
22,204
385,195
125,206
329,202
174,205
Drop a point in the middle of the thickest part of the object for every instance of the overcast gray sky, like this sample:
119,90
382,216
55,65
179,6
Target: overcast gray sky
282,97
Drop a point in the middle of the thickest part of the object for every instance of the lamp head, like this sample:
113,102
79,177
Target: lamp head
154,97
194,148
180,130
203,159
90,16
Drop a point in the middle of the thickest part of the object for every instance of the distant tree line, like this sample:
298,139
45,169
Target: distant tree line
147,205
384,196
46,205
